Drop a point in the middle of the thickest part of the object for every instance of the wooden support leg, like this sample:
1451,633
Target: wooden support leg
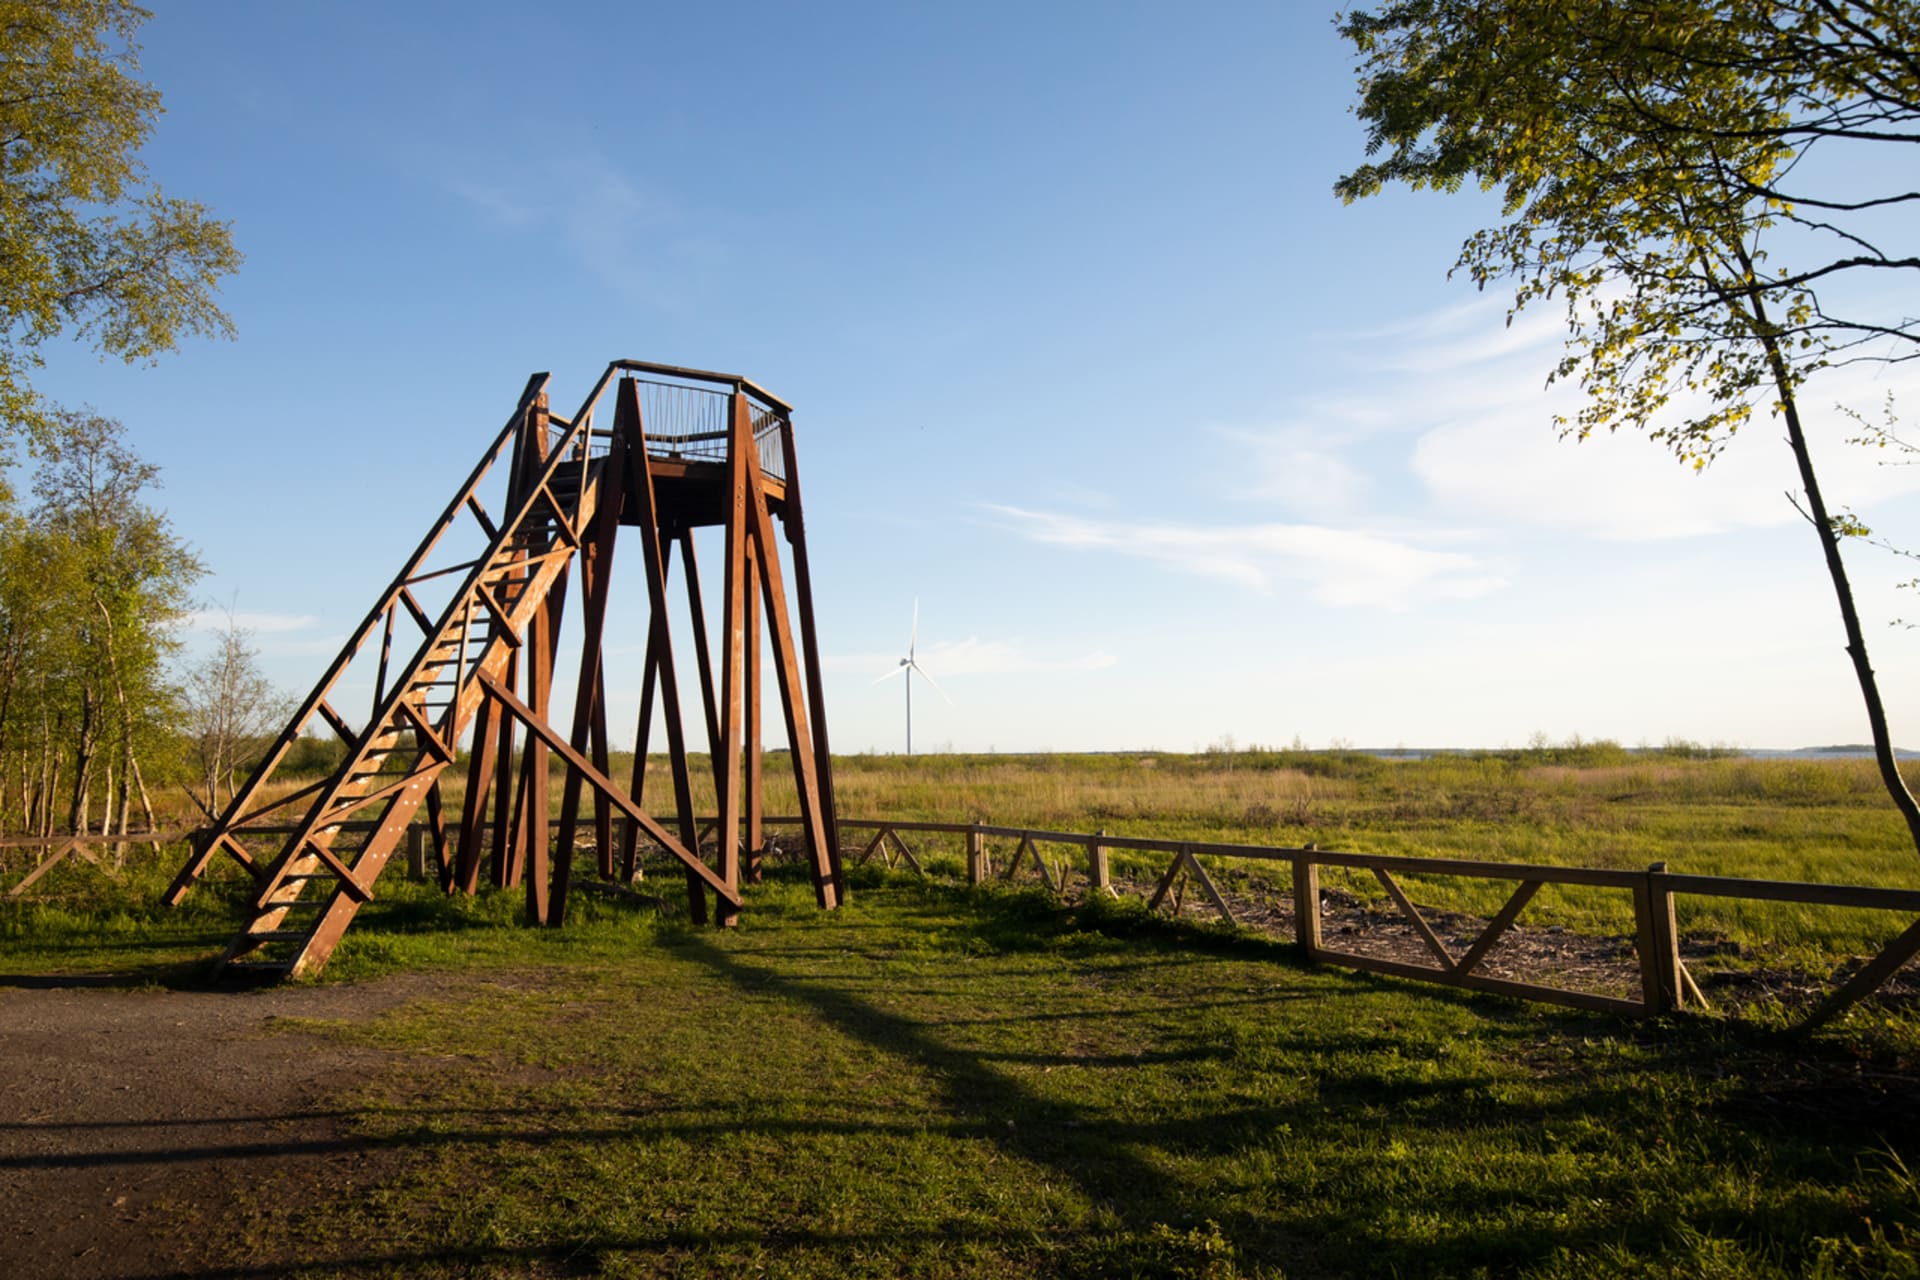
473,806
642,739
751,715
542,637
602,807
596,565
701,653
437,832
501,856
741,452
814,804
795,522
627,423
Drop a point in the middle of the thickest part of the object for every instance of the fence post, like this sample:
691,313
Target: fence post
1306,905
1657,938
416,852
977,869
1097,869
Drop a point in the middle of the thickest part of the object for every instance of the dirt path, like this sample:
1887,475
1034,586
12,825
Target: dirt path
126,1114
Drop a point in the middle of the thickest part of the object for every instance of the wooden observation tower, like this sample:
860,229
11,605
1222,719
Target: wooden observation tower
465,638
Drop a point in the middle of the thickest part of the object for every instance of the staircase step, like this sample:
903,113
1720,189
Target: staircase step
393,760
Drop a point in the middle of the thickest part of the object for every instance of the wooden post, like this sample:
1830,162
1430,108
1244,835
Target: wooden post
1097,869
1657,938
416,853
976,856
1306,905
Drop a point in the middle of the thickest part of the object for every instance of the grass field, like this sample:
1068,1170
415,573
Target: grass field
1592,805
937,1081
942,1082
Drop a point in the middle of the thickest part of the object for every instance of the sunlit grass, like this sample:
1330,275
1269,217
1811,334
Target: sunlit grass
943,1083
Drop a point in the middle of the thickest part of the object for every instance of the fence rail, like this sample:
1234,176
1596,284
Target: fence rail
1664,981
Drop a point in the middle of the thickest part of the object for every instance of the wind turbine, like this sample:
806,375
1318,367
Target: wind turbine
907,667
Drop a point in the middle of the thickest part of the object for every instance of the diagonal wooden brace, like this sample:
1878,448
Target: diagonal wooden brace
1497,927
1206,883
348,881
1866,981
1417,920
1165,886
337,722
499,612
561,747
429,737
905,852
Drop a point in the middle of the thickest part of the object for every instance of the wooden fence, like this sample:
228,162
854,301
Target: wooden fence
1664,981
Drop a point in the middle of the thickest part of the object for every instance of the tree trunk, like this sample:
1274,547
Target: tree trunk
123,798
126,731
83,754
146,801
1883,754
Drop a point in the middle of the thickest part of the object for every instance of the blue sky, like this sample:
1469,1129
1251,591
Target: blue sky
1169,445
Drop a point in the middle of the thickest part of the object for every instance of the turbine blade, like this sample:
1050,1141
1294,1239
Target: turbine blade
913,637
930,680
891,674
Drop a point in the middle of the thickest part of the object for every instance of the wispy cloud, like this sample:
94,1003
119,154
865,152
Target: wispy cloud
499,205
1500,456
306,646
1339,566
217,620
1299,466
615,224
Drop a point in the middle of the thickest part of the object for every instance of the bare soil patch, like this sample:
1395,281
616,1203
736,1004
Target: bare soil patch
1548,955
140,1127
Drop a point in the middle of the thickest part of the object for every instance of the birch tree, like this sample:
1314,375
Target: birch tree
1718,192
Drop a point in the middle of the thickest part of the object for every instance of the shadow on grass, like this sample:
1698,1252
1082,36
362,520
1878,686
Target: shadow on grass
1787,1115
173,974
1121,1166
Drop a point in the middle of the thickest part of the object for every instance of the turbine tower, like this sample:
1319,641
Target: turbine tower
907,666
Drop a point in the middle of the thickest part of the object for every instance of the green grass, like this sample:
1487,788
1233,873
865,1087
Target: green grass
1591,805
942,1083
1579,804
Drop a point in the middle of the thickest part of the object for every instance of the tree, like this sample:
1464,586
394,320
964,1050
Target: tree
228,705
120,579
87,244
1649,155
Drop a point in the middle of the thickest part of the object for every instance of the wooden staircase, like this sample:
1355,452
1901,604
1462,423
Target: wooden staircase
723,456
352,822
